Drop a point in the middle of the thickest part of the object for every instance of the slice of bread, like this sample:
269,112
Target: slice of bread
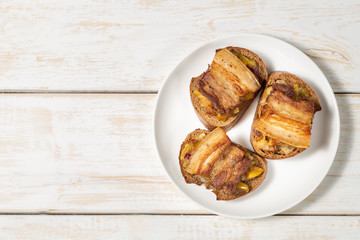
226,117
295,103
227,175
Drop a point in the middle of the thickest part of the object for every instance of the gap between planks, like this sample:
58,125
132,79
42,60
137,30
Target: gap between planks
73,92
104,92
14,91
165,214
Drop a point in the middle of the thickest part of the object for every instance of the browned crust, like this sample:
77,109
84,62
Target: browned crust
221,195
211,122
287,76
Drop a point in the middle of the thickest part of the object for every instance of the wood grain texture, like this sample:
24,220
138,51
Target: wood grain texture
92,45
94,153
177,227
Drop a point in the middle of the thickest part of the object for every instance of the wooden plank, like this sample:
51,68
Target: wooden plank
133,45
95,153
177,227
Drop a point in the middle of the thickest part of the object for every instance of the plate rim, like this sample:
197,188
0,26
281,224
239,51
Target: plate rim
162,87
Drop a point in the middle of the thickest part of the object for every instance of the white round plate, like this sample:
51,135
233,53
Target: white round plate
288,181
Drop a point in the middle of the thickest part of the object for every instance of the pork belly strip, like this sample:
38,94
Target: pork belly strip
288,136
230,173
234,65
302,110
227,81
208,151
217,89
208,164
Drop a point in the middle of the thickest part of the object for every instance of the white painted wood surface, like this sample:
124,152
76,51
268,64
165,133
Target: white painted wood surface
177,227
74,141
133,45
95,153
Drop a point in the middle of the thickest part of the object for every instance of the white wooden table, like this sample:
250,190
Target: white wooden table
78,82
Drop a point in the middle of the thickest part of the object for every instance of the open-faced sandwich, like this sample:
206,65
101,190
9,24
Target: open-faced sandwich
221,94
283,118
210,158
